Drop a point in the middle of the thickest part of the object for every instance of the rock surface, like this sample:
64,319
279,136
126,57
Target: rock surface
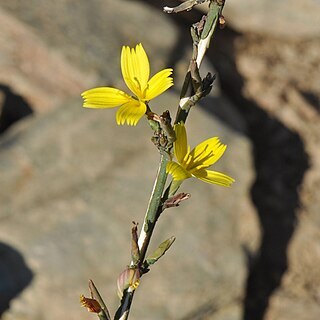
35,71
74,181
67,213
288,89
286,18
79,181
90,34
266,78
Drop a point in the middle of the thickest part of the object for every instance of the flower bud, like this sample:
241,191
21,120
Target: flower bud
128,279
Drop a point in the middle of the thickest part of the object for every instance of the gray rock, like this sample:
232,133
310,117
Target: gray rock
75,181
290,18
72,181
293,102
90,34
40,74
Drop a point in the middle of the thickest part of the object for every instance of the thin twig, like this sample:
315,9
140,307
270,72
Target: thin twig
146,231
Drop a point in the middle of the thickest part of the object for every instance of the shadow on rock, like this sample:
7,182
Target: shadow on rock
13,108
14,275
280,163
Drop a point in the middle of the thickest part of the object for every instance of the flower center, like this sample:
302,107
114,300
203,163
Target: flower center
141,92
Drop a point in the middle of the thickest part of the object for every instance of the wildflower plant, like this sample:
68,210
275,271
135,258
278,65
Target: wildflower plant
195,163
135,71
177,161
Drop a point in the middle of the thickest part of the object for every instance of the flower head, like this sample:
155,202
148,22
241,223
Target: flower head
195,163
135,71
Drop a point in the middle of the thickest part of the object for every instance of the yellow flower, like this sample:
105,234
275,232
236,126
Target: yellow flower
135,71
195,163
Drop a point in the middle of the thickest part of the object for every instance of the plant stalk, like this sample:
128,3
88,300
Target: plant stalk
155,206
151,217
199,49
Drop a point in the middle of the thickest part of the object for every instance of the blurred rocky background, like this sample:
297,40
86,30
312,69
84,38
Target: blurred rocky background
72,181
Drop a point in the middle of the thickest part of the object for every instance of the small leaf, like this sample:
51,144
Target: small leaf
185,6
160,251
175,200
95,294
135,252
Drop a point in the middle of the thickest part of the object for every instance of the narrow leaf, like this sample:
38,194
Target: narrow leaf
159,252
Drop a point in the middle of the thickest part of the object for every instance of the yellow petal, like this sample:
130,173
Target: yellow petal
104,97
127,70
143,67
177,171
159,83
181,143
207,153
135,69
214,177
131,112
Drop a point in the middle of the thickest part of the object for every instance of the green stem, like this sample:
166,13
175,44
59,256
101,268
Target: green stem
152,213
199,50
151,217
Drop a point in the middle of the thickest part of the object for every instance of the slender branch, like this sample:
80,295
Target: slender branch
200,47
152,214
